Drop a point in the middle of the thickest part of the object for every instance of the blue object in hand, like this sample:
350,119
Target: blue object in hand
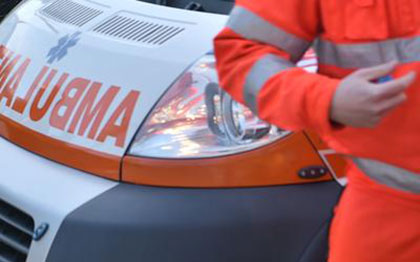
384,79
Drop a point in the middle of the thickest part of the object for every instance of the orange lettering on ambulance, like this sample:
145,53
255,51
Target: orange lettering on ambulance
20,103
124,111
13,83
3,51
90,112
36,112
6,68
68,102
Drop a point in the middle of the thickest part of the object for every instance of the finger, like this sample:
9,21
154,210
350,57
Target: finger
390,104
396,86
374,122
373,73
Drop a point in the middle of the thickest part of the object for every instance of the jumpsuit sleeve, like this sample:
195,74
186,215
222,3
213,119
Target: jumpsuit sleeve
256,56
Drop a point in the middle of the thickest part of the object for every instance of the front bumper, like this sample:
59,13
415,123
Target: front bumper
136,223
93,219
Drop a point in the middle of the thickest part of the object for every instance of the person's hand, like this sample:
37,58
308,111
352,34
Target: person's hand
358,102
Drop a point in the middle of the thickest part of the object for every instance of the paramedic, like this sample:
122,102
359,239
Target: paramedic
364,102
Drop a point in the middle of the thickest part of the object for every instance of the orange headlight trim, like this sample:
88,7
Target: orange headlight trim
275,164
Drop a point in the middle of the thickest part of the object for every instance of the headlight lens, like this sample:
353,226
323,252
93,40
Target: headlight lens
197,119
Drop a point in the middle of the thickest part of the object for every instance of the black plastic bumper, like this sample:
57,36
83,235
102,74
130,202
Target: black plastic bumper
149,224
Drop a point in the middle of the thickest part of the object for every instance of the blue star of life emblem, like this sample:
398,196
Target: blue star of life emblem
60,50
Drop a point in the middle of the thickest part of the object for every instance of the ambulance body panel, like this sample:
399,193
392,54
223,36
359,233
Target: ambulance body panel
118,145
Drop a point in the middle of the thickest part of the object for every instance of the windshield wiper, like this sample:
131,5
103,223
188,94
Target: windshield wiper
194,6
161,2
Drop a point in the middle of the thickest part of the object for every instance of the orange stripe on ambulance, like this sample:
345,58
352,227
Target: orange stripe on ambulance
75,110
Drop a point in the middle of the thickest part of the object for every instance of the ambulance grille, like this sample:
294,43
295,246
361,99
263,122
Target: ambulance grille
144,31
16,229
69,12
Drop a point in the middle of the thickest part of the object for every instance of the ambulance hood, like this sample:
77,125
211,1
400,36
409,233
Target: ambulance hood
85,74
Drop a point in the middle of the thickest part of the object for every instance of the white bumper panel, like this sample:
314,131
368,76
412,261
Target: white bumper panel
45,190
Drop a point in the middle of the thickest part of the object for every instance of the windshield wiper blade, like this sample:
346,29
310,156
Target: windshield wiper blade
161,2
194,6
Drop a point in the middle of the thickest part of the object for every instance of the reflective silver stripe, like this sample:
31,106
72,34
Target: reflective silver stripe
253,27
404,50
265,68
389,175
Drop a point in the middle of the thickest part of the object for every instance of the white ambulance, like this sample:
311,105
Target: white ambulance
117,144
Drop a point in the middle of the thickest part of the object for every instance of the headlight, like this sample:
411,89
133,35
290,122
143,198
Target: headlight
197,136
196,119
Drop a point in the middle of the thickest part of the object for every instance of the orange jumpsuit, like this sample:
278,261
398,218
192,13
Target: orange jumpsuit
256,55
